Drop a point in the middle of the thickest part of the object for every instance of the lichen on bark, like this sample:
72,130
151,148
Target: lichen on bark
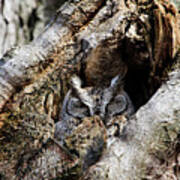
93,39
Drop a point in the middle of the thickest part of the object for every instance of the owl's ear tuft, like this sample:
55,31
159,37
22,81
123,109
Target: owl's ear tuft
116,81
76,81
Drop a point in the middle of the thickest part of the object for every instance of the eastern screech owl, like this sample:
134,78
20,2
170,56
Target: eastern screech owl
80,102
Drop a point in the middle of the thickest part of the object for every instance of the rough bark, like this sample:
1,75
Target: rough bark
88,38
22,21
177,3
149,146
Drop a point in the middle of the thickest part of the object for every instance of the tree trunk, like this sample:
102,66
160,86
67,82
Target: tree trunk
22,21
96,40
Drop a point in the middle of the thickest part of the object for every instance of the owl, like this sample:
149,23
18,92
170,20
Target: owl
87,114
81,102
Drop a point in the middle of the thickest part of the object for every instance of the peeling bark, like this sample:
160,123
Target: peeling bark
96,40
22,21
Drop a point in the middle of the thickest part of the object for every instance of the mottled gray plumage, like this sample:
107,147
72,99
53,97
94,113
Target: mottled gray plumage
86,115
79,103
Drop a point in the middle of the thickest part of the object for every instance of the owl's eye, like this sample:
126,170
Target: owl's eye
117,106
76,108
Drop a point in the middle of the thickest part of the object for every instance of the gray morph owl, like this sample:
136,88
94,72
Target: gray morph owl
81,102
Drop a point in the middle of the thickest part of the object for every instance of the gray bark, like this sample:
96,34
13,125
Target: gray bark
83,37
22,21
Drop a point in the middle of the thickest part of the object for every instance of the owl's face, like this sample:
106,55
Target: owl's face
102,101
76,107
90,102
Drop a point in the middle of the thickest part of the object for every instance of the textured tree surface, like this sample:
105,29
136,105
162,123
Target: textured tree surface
22,21
96,40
